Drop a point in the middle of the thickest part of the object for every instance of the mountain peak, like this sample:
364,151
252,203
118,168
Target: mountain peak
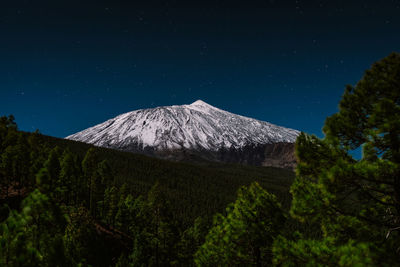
198,129
200,103
196,126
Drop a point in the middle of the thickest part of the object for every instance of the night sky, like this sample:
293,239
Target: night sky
67,65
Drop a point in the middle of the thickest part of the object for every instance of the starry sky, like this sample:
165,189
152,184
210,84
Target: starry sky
68,65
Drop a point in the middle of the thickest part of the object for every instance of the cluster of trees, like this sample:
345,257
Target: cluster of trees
345,211
194,190
18,162
355,203
77,210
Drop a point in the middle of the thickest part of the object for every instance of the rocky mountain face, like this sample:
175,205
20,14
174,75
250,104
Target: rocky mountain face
195,132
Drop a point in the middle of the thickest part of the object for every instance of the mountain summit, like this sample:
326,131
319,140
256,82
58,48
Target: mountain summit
198,128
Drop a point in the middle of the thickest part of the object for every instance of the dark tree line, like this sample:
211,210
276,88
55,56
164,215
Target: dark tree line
76,212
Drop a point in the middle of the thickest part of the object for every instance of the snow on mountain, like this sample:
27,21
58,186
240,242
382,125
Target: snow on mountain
198,126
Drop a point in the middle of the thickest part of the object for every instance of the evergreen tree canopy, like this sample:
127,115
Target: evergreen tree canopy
33,237
154,230
355,201
245,235
7,125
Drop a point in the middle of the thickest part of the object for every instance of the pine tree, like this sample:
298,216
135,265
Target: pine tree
123,217
154,230
8,168
81,238
244,236
37,155
106,179
67,176
22,162
33,236
106,174
79,186
8,129
356,202
52,166
111,203
190,241
89,167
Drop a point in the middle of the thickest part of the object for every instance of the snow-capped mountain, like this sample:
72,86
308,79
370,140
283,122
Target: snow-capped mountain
195,127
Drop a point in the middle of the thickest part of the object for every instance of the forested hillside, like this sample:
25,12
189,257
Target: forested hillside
198,189
102,201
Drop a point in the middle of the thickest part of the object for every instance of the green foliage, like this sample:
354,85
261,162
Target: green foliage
14,160
356,203
191,239
8,129
98,175
22,158
111,205
194,190
33,236
114,204
82,242
68,177
8,168
155,233
245,235
124,214
131,210
52,166
43,180
325,252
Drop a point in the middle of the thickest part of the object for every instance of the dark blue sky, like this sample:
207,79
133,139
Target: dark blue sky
65,65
